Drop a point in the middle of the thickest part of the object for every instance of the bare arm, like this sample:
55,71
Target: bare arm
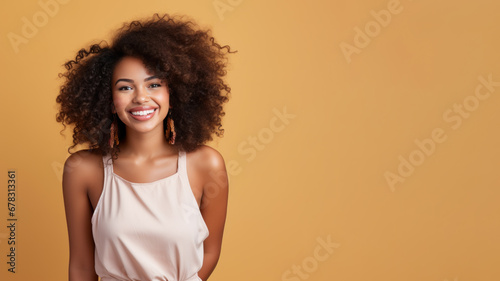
78,214
213,209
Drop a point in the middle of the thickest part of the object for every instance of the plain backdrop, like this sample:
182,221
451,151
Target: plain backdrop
361,138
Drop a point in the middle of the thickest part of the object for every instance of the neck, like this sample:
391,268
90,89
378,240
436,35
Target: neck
146,145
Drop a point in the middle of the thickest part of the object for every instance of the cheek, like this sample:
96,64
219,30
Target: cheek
120,105
163,98
163,101
120,102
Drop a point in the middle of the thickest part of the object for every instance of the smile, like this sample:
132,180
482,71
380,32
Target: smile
145,112
143,115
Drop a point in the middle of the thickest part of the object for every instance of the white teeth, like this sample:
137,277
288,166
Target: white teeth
145,112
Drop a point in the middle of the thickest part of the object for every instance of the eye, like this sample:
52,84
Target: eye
155,85
124,88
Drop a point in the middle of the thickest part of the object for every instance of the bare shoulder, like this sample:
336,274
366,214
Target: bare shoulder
209,180
82,166
206,158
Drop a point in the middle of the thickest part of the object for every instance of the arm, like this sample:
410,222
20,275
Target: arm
213,209
78,213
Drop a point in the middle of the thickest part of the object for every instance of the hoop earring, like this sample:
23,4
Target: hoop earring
170,132
113,135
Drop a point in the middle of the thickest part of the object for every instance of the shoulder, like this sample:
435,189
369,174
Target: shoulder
206,158
210,179
82,166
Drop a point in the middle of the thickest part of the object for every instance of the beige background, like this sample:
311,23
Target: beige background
357,106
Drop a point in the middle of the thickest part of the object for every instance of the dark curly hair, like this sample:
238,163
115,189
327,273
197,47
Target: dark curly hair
175,50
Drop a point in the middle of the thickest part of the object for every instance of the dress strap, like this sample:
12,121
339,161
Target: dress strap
184,176
182,170
108,163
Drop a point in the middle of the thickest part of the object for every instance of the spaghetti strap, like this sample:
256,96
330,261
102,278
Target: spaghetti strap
182,163
184,176
106,161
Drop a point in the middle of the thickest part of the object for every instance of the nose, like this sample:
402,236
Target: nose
141,95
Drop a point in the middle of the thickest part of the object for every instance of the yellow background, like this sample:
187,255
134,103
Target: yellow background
322,174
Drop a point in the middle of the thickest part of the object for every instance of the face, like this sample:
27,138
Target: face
141,100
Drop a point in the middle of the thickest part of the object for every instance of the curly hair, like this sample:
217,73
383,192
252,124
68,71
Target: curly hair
175,50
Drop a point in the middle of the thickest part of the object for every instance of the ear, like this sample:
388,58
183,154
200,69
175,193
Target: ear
113,109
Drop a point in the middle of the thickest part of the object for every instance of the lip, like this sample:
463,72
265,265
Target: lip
143,117
142,108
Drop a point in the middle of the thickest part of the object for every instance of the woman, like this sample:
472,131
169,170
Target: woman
148,199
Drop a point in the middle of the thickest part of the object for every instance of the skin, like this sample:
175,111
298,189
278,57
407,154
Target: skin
145,156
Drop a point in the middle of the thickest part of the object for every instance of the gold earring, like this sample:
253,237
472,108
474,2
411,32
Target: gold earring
113,136
170,132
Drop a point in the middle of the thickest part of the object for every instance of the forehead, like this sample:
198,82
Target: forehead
129,67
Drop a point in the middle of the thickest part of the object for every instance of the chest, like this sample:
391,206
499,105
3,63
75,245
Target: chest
95,189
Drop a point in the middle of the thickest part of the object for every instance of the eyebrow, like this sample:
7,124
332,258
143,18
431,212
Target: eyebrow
132,81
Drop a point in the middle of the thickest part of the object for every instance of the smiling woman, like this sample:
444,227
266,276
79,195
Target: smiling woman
135,199
141,88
